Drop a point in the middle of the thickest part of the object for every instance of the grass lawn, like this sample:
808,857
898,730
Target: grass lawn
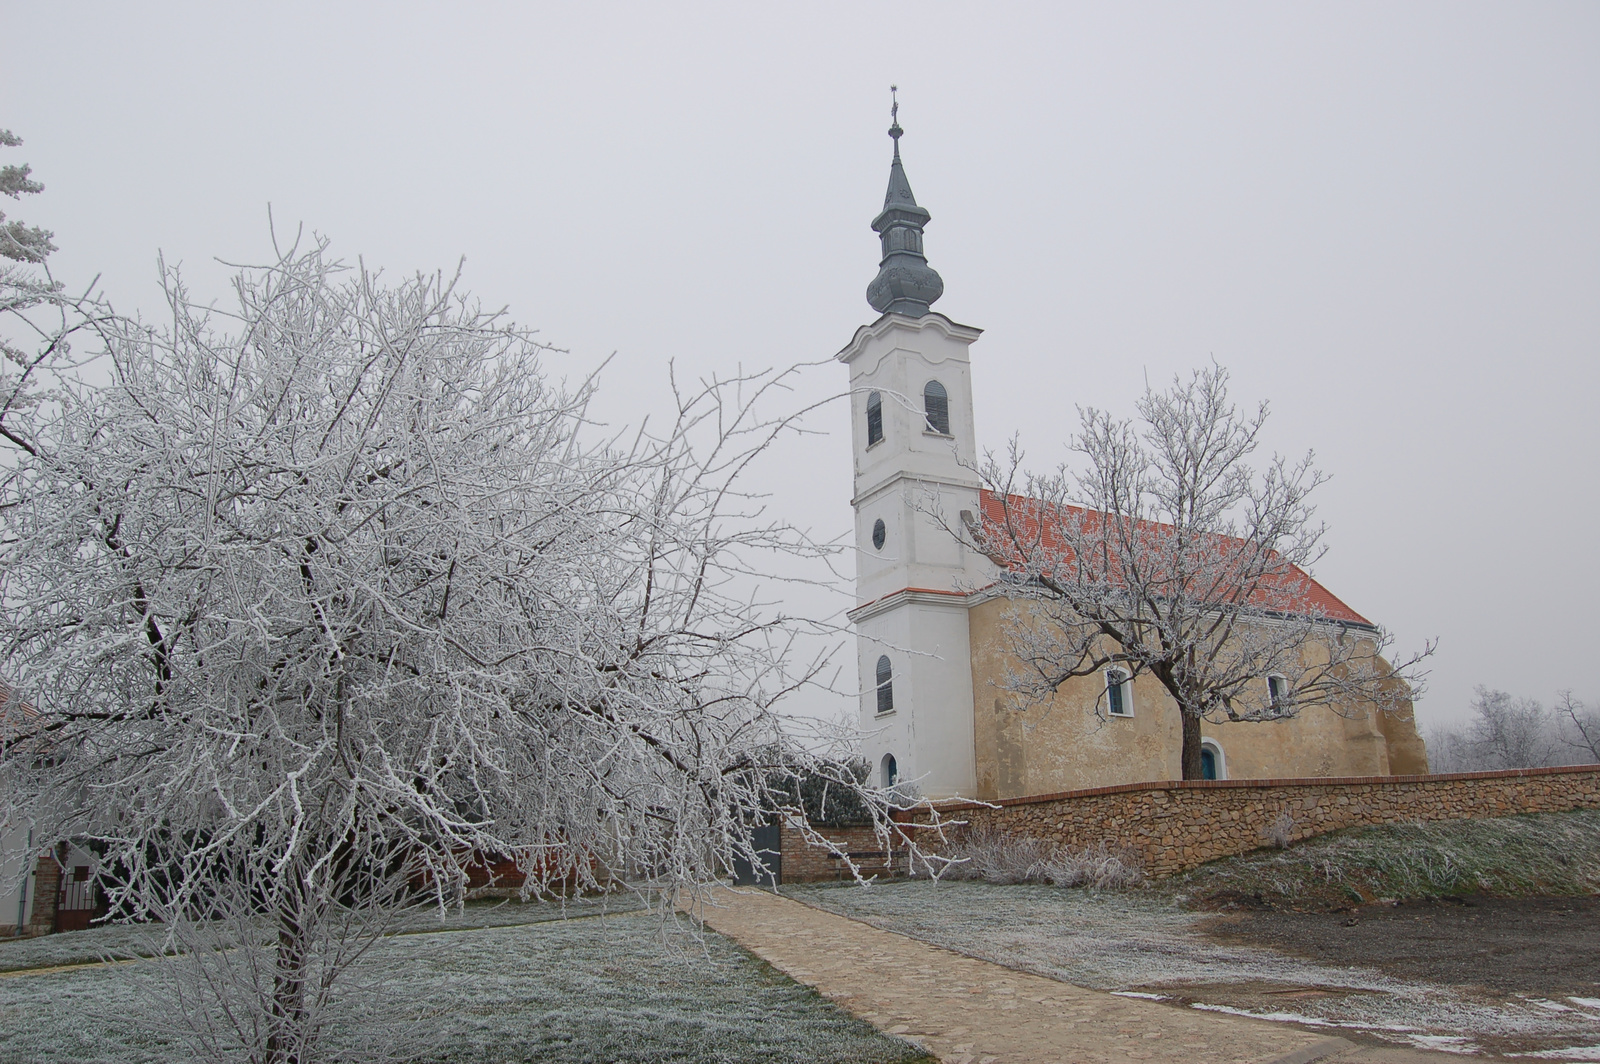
505,984
1542,854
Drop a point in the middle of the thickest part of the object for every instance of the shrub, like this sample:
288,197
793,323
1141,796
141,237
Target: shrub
990,855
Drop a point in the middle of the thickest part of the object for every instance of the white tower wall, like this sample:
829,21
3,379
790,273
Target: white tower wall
911,592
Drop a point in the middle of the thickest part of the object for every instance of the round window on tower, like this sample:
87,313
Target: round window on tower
879,534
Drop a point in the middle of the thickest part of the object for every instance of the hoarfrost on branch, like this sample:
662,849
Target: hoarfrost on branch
326,597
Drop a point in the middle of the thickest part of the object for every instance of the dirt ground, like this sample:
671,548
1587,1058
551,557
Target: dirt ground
1549,947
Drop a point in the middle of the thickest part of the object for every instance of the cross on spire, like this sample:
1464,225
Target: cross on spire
894,117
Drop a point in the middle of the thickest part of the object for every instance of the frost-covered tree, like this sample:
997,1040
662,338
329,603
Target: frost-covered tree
19,241
1580,727
38,317
1169,553
1507,731
324,598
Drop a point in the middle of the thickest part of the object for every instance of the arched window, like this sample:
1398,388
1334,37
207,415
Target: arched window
936,404
874,418
885,685
1212,767
891,771
879,534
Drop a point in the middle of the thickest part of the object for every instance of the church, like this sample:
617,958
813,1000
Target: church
935,712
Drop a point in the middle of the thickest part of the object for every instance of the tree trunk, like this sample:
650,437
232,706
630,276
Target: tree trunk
1190,758
289,991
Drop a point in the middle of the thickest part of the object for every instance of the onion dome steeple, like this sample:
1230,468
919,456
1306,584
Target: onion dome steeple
905,284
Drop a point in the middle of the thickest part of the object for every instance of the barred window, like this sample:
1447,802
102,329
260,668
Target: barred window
874,418
885,685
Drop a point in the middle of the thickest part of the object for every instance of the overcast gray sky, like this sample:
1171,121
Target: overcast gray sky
1384,218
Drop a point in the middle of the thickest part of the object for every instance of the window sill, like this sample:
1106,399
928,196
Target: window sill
885,713
939,435
875,443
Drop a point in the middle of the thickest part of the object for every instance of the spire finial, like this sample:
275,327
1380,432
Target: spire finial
894,117
905,284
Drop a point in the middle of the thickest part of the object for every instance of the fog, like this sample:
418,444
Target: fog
1381,218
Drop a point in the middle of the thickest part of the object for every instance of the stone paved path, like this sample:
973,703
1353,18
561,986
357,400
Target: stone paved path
968,1011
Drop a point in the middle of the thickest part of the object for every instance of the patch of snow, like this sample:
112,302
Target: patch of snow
1139,994
1588,1003
1281,1017
1576,1054
1443,1043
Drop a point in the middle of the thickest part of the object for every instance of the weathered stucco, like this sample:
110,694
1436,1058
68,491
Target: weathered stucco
1024,748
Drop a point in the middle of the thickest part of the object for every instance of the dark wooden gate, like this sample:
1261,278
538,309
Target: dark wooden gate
768,842
80,901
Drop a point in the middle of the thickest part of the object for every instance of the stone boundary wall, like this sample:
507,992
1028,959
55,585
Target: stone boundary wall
804,862
1174,826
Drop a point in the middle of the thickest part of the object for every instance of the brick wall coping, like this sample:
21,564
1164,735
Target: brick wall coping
1306,781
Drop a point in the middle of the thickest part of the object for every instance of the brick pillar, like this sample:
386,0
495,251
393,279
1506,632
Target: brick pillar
46,895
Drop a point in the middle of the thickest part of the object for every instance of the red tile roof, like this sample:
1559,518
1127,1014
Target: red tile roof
1031,523
14,716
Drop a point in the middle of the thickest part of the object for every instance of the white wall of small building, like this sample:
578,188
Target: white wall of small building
17,860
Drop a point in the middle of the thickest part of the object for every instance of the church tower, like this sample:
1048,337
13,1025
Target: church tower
914,457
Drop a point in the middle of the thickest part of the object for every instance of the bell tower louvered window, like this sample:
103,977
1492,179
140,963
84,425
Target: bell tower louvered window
874,418
885,685
936,404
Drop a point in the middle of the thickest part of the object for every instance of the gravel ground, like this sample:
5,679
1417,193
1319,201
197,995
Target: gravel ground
624,988
1141,943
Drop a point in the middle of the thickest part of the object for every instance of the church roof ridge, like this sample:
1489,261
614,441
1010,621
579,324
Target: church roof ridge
1313,596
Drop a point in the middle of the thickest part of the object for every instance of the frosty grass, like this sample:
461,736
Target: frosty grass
616,988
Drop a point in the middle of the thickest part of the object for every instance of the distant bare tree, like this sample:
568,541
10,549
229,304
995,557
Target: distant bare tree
1508,732
1580,726
1448,751
1171,554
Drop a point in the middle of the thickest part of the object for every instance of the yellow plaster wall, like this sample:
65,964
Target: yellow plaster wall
1027,749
